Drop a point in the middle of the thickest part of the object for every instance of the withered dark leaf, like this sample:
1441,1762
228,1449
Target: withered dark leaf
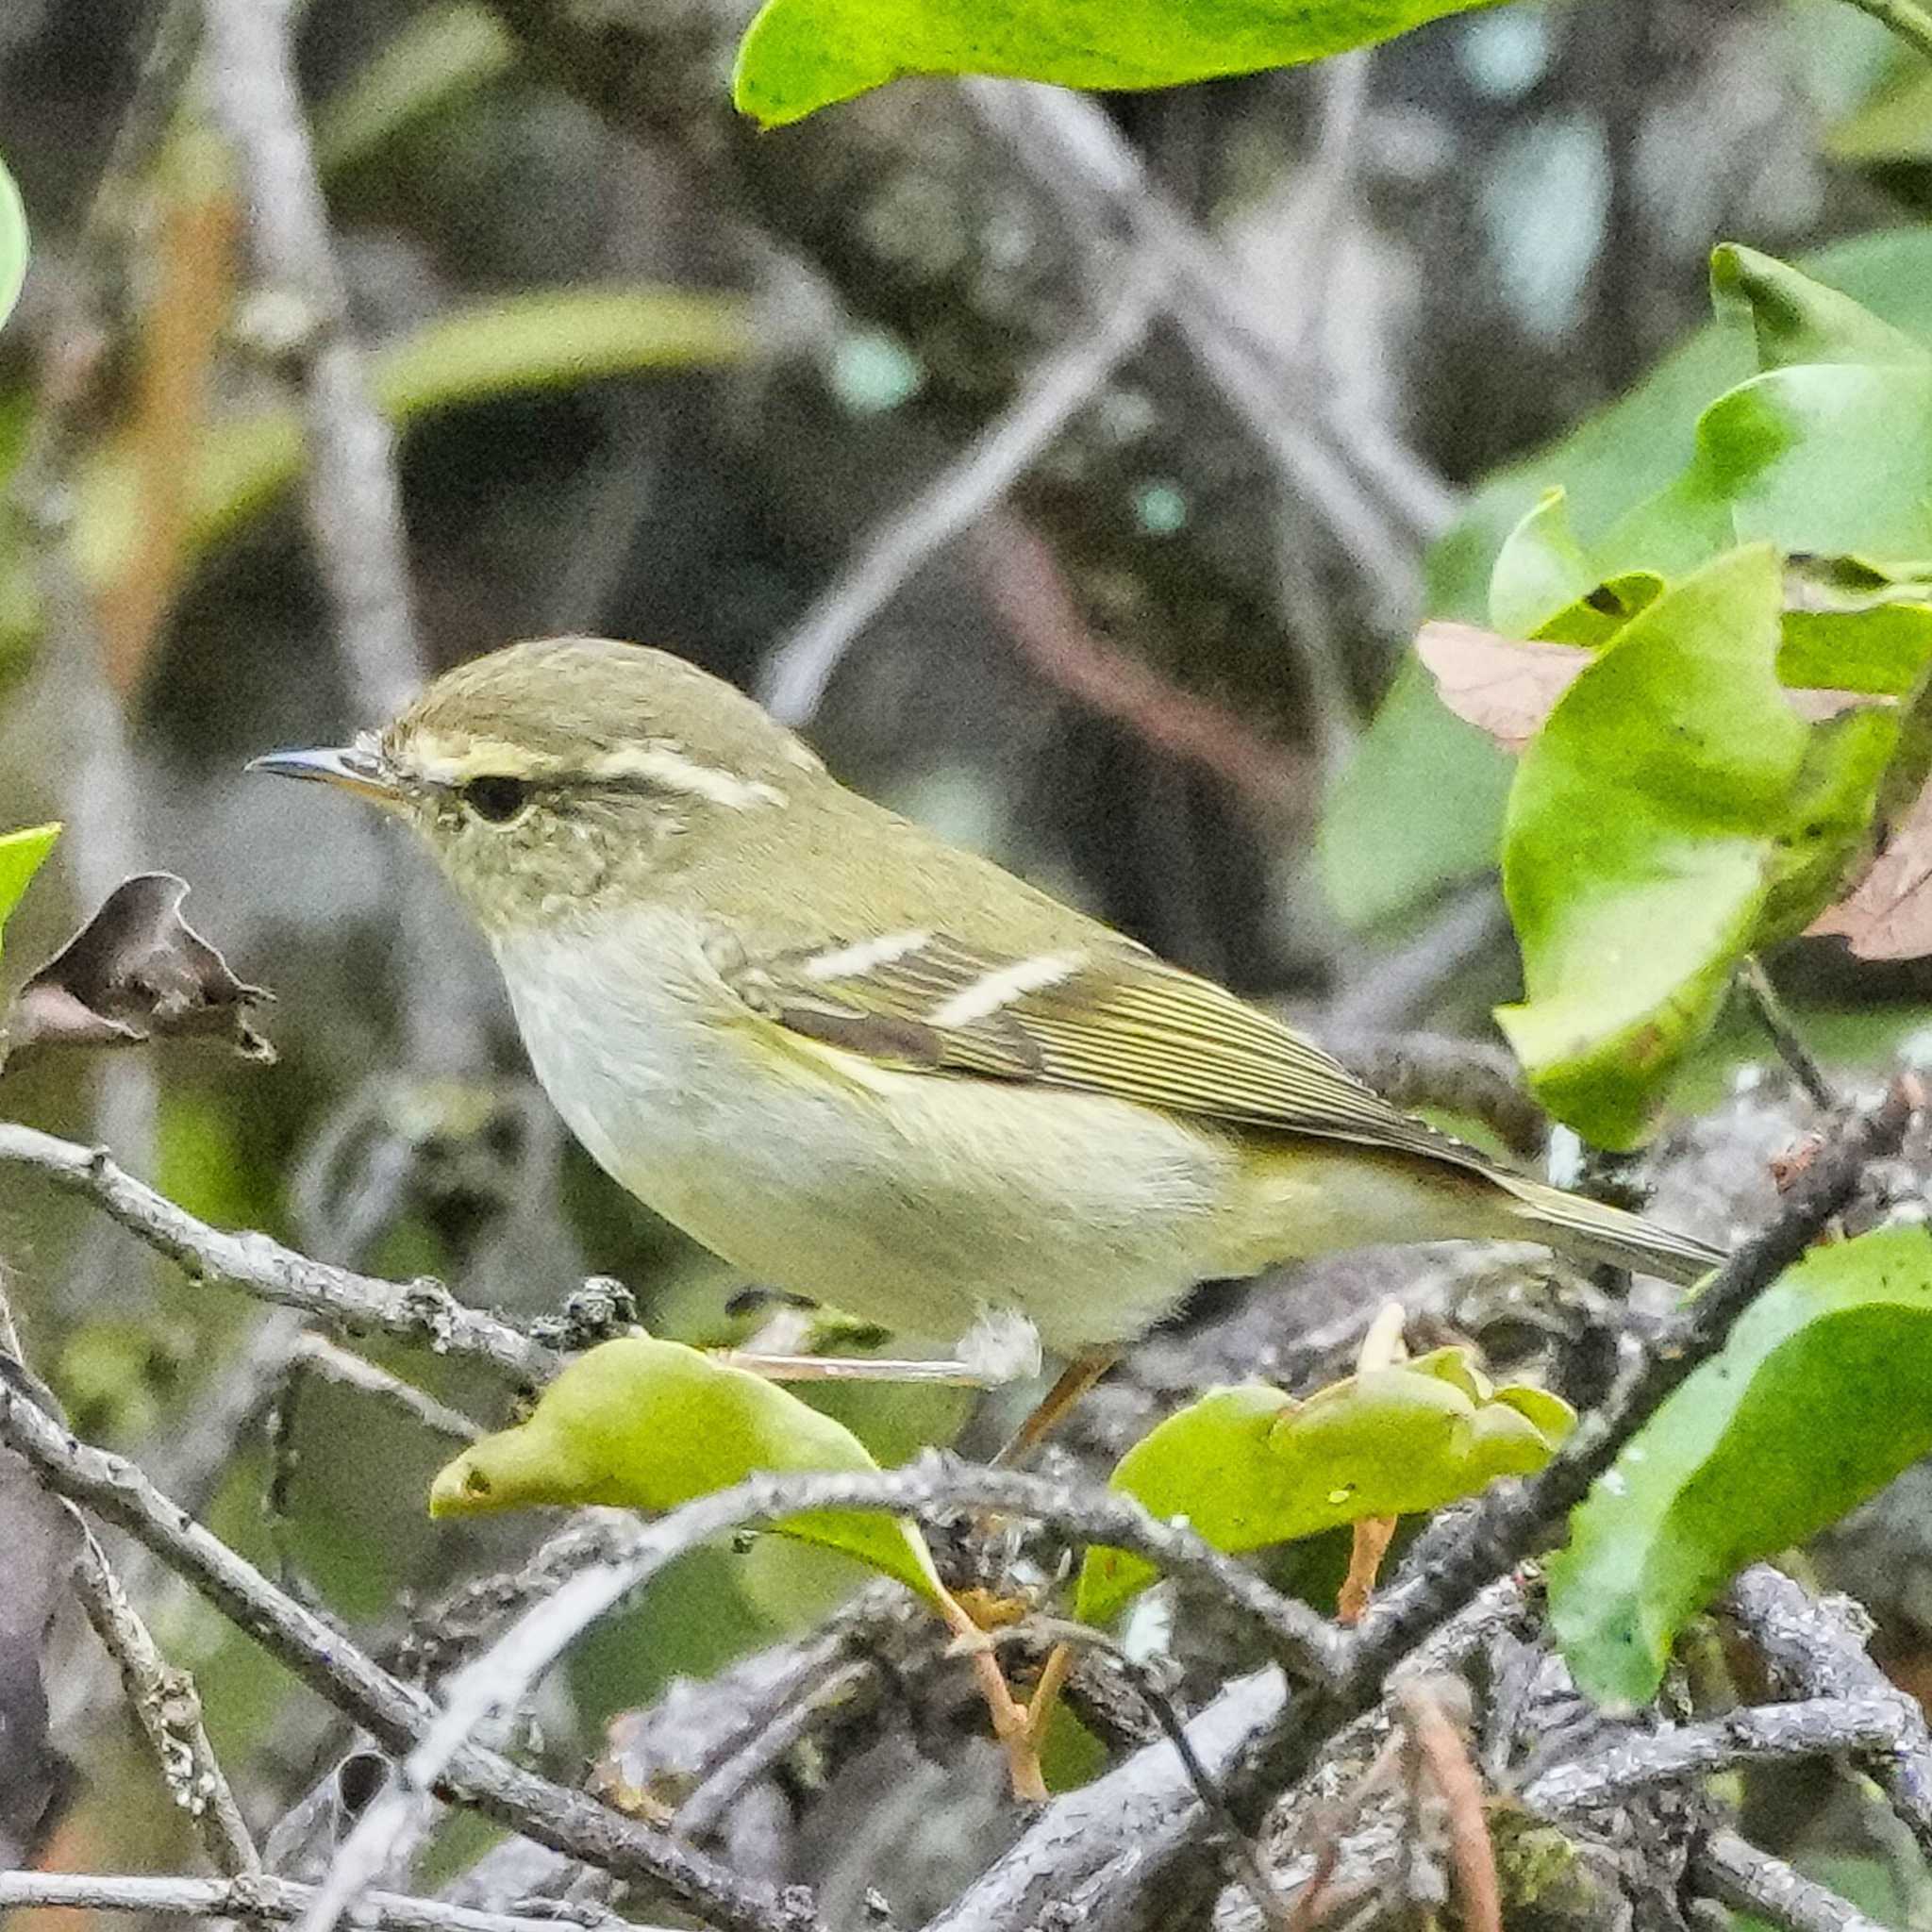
137,971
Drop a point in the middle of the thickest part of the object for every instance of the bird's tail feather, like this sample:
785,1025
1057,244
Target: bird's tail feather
1590,1231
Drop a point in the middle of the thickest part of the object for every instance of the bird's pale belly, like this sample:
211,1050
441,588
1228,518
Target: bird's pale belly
916,1201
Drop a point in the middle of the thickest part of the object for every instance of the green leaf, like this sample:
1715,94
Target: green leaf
21,854
438,59
1545,587
1832,457
1882,651
1252,1466
1673,792
1791,318
13,243
1541,569
647,1424
1420,807
1817,1401
802,55
1417,807
1895,125
515,346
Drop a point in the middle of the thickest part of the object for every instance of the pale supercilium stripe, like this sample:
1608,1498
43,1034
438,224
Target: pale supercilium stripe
455,760
658,764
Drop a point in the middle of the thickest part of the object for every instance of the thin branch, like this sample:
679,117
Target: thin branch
503,1675
263,1897
321,1357
1397,991
1511,1518
355,508
1785,1036
1440,1743
1812,1727
1084,163
168,1710
1252,1873
421,1311
1434,1070
1118,1841
393,1713
1043,619
350,488
1910,22
1810,1650
801,665
1739,1875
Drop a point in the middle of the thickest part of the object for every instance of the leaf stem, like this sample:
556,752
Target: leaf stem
1784,1034
1905,18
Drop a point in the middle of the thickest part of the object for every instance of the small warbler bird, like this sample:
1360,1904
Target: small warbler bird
864,1066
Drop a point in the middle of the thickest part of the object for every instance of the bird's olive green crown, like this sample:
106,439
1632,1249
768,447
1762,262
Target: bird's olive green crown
574,771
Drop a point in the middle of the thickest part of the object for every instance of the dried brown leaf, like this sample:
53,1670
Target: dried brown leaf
137,971
1496,683
1507,687
1889,914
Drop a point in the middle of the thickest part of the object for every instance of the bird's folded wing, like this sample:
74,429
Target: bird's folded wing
1121,1023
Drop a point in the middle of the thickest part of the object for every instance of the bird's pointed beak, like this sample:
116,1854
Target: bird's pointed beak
350,766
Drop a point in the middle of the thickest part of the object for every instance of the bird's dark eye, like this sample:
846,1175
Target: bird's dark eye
497,800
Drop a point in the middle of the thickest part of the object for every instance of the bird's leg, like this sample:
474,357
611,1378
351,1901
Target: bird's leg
845,1368
1074,1380
1000,1347
1009,1716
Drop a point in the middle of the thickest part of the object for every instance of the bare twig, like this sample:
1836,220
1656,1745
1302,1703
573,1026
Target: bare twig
1433,1070
1045,623
394,1714
1506,1525
1116,1842
263,1897
321,1357
1810,1649
421,1311
801,665
1398,990
168,1710
1248,1867
354,509
1739,1875
498,1679
1812,1727
1079,158
1443,1750
1785,1036
350,488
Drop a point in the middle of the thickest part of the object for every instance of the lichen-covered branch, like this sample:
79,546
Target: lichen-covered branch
278,1901
394,1714
421,1311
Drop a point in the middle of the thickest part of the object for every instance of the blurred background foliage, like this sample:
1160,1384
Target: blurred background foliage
658,378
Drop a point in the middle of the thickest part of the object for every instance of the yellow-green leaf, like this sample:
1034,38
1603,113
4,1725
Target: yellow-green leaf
802,55
1674,813
1816,1400
642,1423
21,854
1252,1466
